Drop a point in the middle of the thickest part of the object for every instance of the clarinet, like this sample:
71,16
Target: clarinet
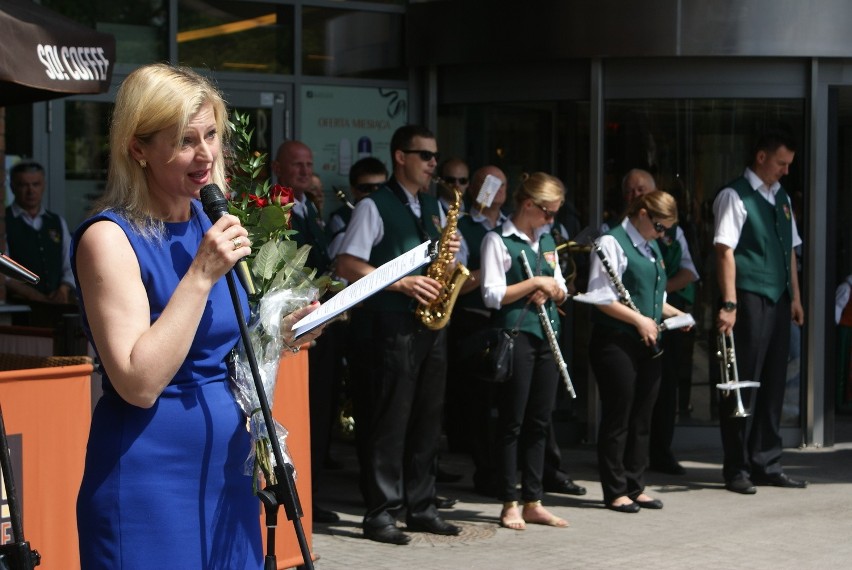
623,293
551,336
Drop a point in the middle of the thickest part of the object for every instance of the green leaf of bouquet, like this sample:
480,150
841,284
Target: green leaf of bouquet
272,218
266,261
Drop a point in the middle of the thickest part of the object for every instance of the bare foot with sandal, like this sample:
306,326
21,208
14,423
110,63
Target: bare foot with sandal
534,513
510,517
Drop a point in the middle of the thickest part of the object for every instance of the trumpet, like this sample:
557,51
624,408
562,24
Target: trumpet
727,354
550,334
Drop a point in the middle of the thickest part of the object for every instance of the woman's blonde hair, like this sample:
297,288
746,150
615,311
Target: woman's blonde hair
152,98
660,205
539,187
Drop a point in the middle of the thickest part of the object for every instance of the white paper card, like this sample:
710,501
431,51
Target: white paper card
678,322
488,190
365,287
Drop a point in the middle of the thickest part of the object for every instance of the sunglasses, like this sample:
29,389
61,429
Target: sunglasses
547,213
367,187
454,180
425,155
658,227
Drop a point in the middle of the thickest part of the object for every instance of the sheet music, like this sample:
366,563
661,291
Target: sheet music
365,287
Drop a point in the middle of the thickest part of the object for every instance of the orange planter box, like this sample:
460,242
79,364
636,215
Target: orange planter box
47,412
290,408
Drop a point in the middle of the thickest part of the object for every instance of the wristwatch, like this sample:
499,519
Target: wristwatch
729,306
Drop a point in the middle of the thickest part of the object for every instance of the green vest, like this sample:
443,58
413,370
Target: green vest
401,233
311,233
644,279
508,315
672,255
473,233
39,251
763,253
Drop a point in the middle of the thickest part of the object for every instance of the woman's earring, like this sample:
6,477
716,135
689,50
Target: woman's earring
143,163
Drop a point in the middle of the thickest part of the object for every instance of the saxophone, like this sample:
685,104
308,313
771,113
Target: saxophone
436,314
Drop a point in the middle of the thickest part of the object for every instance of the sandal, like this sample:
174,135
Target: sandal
515,522
548,519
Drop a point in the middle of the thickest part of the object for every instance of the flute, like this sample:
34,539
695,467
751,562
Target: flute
623,293
551,336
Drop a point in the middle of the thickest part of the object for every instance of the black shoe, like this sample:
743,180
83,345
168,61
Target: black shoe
652,504
445,502
625,508
741,485
322,515
671,468
435,525
780,480
388,534
566,487
445,477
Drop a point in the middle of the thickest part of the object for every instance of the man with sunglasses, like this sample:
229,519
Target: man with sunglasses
755,237
365,177
402,397
455,174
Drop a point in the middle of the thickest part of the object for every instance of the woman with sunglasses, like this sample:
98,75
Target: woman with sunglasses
525,401
621,355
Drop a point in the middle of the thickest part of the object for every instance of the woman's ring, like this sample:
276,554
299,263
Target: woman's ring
238,243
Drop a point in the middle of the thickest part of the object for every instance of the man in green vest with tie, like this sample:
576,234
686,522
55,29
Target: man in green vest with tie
755,233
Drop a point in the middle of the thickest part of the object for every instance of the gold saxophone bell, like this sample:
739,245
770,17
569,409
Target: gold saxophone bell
436,315
727,355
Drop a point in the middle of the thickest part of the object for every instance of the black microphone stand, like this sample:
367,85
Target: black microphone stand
283,491
17,554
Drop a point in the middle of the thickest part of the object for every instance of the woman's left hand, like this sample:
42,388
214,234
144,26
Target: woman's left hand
287,334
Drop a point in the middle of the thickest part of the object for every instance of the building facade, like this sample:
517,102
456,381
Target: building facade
584,90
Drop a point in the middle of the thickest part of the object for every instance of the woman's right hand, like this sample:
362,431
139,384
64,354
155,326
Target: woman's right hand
224,244
647,329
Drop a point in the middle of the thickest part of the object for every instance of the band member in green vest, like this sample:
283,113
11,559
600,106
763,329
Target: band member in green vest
677,344
626,371
402,402
37,239
470,401
365,177
293,168
525,400
755,233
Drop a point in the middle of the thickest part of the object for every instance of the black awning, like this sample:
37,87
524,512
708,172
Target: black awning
44,55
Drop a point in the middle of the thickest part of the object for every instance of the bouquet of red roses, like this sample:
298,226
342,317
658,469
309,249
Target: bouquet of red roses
282,282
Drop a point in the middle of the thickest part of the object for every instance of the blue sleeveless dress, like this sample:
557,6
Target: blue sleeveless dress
164,487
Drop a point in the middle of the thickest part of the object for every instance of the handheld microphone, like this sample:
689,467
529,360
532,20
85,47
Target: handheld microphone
11,268
216,206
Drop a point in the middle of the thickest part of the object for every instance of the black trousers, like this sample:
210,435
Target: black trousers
323,390
405,390
752,445
469,402
628,380
525,404
676,363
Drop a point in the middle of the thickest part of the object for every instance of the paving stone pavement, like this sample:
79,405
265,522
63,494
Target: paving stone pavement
701,526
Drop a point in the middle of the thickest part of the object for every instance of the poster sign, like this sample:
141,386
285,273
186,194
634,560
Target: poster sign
344,124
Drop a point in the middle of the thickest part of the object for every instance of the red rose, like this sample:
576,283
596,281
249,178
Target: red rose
258,201
281,195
